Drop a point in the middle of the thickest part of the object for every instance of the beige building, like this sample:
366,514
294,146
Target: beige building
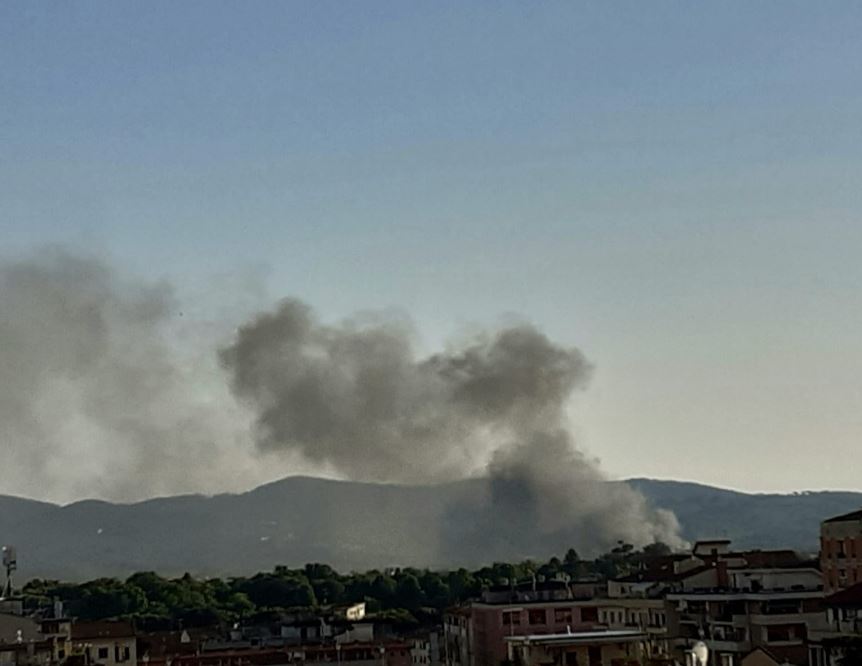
107,643
841,551
586,648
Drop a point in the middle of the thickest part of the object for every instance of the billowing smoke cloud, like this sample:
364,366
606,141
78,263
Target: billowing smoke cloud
96,400
106,391
356,398
544,494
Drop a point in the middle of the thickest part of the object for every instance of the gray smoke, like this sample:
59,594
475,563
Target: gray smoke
106,391
544,493
96,400
355,398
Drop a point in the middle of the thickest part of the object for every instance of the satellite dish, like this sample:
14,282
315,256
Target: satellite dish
701,653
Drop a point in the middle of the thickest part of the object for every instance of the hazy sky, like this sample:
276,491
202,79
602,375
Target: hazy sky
672,187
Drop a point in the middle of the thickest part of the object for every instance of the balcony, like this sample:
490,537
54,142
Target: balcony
728,646
787,618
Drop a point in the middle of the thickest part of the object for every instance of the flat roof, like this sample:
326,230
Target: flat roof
740,595
702,542
580,637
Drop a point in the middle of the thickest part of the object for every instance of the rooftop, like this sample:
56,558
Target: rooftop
580,638
662,574
849,597
725,594
853,515
105,629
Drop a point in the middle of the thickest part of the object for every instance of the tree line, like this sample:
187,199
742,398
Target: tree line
406,596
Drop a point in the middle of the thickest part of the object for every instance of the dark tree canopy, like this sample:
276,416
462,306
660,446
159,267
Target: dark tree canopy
403,596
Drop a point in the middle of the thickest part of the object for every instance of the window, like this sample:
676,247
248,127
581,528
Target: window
590,614
511,618
784,633
816,657
537,616
563,615
571,659
103,653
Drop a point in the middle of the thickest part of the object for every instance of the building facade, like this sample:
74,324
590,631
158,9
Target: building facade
480,633
841,551
589,648
735,621
839,641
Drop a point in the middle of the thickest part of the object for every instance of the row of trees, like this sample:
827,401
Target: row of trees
406,595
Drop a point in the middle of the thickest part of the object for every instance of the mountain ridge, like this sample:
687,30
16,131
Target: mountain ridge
351,525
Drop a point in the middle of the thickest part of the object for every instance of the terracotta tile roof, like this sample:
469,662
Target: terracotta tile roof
104,629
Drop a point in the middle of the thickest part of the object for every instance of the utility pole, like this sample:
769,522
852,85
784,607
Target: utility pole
10,563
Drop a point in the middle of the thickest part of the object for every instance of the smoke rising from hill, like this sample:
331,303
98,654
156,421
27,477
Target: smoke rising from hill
97,399
356,397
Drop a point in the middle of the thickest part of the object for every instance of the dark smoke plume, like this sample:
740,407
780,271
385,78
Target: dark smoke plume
355,398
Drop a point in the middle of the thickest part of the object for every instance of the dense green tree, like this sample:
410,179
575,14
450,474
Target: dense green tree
407,595
267,590
328,590
107,597
383,588
462,585
657,549
408,592
316,571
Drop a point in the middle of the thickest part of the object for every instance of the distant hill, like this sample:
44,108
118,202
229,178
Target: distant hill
349,525
750,520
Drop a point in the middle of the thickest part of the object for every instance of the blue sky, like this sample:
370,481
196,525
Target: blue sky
672,187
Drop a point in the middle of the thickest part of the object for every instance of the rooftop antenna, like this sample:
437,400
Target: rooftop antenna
10,563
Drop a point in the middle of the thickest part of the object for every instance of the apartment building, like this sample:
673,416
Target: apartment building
589,648
841,551
480,633
105,643
29,642
840,639
547,607
390,653
772,611
458,637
